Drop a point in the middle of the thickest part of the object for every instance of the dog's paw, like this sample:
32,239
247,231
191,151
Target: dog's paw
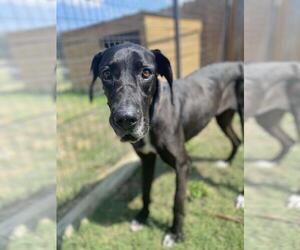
265,164
222,164
135,226
240,202
294,201
19,231
169,240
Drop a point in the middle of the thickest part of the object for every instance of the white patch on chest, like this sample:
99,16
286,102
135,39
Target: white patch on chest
148,147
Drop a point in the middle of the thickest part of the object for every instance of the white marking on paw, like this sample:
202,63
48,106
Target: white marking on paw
135,226
240,201
19,231
84,221
45,221
169,240
69,231
222,164
294,201
265,164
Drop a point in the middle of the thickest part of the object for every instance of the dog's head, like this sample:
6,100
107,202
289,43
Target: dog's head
129,76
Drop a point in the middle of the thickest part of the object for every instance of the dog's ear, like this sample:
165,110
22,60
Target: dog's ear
164,68
95,71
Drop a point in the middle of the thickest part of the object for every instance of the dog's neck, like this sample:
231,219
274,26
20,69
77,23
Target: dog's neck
155,99
161,97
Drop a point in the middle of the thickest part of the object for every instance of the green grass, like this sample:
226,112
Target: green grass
87,146
27,157
267,192
27,153
211,191
41,238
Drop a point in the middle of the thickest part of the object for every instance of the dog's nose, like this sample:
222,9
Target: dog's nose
126,119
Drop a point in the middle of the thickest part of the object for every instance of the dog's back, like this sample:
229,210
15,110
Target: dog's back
206,93
223,73
266,85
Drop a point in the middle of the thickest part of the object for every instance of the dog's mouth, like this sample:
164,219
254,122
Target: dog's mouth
135,136
129,138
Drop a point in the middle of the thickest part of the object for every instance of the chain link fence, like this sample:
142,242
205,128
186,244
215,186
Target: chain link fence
27,124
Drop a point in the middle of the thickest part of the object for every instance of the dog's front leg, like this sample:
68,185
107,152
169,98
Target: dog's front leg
148,169
180,193
176,230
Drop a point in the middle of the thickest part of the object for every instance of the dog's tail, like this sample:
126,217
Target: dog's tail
239,92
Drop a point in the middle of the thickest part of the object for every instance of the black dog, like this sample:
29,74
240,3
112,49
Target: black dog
158,118
273,89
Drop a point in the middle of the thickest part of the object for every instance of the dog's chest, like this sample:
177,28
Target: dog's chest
147,147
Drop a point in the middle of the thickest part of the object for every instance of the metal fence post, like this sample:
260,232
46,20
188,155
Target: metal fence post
272,30
177,37
228,6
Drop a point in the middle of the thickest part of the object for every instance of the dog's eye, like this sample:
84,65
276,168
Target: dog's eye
146,73
106,75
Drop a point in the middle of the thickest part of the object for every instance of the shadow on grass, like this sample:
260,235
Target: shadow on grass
27,213
196,175
116,209
249,183
203,159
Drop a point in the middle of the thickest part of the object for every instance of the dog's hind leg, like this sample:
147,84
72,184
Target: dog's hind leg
239,91
148,169
224,120
241,115
296,115
293,91
270,122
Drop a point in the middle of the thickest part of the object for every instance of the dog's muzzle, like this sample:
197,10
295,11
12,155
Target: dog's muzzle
128,124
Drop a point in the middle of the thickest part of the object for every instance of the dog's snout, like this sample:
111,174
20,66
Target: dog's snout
126,119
